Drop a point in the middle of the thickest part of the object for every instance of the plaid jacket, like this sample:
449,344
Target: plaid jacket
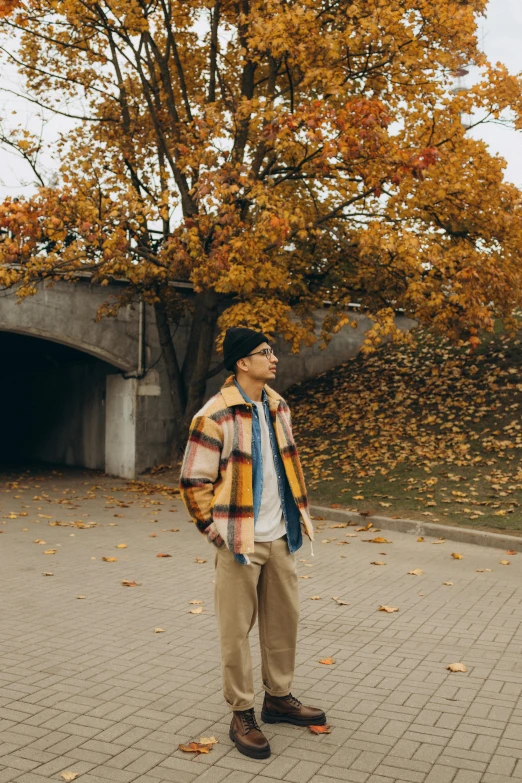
216,476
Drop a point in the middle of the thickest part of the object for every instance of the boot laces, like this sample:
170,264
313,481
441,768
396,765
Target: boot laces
293,701
249,720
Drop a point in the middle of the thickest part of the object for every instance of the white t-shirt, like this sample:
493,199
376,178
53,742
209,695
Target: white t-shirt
270,523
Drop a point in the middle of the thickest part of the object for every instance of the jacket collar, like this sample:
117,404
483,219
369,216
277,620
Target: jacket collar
233,396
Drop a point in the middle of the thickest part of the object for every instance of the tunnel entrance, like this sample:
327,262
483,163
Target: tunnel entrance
52,399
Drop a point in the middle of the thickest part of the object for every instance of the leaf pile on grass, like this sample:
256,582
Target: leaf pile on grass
404,412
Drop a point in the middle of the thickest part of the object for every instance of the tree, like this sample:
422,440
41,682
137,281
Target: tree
276,154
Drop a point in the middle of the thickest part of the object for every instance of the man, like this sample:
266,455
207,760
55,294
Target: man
243,486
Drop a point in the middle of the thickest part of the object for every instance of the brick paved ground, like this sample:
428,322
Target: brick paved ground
88,686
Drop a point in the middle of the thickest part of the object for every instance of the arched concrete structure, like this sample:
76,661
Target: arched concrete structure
66,313
136,406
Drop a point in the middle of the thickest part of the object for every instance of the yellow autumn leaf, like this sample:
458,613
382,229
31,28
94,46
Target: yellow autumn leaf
457,667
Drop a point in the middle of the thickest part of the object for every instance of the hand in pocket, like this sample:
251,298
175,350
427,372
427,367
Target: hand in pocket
214,536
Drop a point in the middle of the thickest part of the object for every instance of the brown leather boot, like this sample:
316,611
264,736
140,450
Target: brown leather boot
288,709
247,736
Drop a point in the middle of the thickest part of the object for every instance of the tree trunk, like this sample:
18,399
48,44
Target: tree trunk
198,376
187,386
176,387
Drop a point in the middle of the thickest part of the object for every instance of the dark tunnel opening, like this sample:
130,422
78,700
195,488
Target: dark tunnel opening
52,399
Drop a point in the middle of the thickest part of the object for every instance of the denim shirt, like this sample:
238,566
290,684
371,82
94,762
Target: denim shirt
291,513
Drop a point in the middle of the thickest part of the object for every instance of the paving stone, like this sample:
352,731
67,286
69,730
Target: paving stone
95,690
303,771
280,766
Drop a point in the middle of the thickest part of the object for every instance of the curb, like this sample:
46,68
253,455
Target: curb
417,528
413,527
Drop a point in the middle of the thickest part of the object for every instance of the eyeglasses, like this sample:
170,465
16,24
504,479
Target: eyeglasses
267,353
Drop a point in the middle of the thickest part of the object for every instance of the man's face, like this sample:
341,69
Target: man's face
261,364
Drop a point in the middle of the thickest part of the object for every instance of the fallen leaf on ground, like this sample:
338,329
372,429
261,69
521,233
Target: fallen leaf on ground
304,577
200,560
197,610
388,609
121,546
195,602
110,559
481,570
163,555
377,562
208,740
378,540
80,596
456,556
38,541
447,583
457,667
68,776
47,573
326,729
511,552
439,542
504,562
416,572
195,747
339,525
339,601
159,630
420,538
327,661
49,551
315,598
128,583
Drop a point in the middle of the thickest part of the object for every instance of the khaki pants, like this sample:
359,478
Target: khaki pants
267,587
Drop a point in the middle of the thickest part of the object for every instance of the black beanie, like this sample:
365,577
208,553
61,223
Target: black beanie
240,341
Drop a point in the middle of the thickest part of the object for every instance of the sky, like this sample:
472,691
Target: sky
500,34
